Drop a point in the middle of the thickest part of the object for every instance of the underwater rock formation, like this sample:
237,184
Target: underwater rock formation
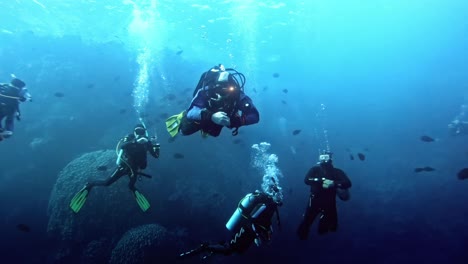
146,244
106,211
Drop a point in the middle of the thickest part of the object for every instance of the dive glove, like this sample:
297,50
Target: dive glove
328,184
221,118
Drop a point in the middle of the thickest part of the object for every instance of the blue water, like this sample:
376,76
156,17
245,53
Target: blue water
362,77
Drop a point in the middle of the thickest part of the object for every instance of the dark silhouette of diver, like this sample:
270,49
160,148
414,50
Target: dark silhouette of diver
132,157
218,101
251,223
326,182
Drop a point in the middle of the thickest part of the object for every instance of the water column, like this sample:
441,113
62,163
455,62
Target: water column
267,163
146,35
322,133
244,17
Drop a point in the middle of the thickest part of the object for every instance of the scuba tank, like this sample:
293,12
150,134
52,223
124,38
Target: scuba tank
250,207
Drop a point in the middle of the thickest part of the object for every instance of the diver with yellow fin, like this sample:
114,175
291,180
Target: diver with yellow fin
218,101
131,158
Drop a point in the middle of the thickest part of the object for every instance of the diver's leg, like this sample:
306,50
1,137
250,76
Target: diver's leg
188,127
210,249
131,183
329,220
222,248
241,241
308,218
1,129
214,130
1,121
118,173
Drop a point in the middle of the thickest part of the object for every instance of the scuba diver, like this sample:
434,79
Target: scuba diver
326,182
131,158
251,223
11,94
218,101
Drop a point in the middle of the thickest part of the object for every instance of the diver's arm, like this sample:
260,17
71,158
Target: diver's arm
10,122
312,176
250,114
341,180
198,108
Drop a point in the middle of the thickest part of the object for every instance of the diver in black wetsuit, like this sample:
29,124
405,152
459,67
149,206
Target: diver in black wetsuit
132,158
11,94
218,101
251,223
326,182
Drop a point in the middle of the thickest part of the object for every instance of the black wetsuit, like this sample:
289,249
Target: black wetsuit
134,159
209,100
9,106
322,200
258,228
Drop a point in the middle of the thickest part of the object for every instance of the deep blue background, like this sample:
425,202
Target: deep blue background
386,72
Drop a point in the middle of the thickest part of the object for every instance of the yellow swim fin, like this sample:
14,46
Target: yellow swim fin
173,123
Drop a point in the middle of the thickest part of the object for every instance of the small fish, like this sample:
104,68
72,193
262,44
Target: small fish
276,75
179,156
89,86
179,52
117,78
102,168
23,228
463,174
427,168
265,88
122,111
285,91
351,157
237,141
171,140
255,90
59,94
361,156
170,97
426,138
296,132
284,102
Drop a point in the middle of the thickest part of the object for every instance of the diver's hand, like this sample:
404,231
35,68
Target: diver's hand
221,118
328,184
6,134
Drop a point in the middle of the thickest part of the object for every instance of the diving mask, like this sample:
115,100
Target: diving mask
325,158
